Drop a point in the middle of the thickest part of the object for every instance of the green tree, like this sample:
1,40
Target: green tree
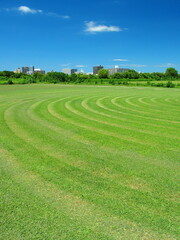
117,75
157,75
91,76
73,77
145,75
132,74
7,74
81,77
103,73
38,77
56,77
171,73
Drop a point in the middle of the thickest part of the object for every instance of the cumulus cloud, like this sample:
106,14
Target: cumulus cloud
26,10
92,27
120,60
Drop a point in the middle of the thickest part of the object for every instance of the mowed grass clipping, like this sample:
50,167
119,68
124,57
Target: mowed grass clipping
89,162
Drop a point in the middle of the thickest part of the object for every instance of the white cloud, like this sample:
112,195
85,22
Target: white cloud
133,65
65,17
120,60
166,65
92,27
65,64
26,10
80,66
127,66
51,14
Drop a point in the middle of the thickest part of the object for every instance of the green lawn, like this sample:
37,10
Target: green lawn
89,162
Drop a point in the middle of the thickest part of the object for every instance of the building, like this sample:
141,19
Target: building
28,70
37,70
73,71
17,70
25,69
31,70
96,69
117,70
67,71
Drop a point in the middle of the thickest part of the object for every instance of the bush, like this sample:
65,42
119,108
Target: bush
10,82
158,85
125,83
170,85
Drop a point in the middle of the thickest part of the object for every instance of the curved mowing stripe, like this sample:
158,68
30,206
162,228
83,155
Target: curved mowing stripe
127,115
128,100
153,111
33,140
144,104
103,132
140,111
170,100
139,116
84,103
94,129
72,136
164,104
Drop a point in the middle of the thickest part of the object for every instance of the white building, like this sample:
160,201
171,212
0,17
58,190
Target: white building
67,71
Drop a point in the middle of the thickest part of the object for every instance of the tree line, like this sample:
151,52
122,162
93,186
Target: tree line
171,73
8,77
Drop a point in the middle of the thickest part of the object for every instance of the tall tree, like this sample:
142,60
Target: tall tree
171,73
103,73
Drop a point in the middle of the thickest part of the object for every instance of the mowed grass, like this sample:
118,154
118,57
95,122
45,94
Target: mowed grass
86,162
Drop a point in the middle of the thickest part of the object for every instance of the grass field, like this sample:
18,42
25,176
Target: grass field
86,162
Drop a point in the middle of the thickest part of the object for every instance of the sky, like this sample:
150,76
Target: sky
138,34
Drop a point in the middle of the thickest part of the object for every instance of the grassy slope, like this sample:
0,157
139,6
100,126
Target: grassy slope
83,162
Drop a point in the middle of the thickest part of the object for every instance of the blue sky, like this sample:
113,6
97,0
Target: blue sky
143,35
